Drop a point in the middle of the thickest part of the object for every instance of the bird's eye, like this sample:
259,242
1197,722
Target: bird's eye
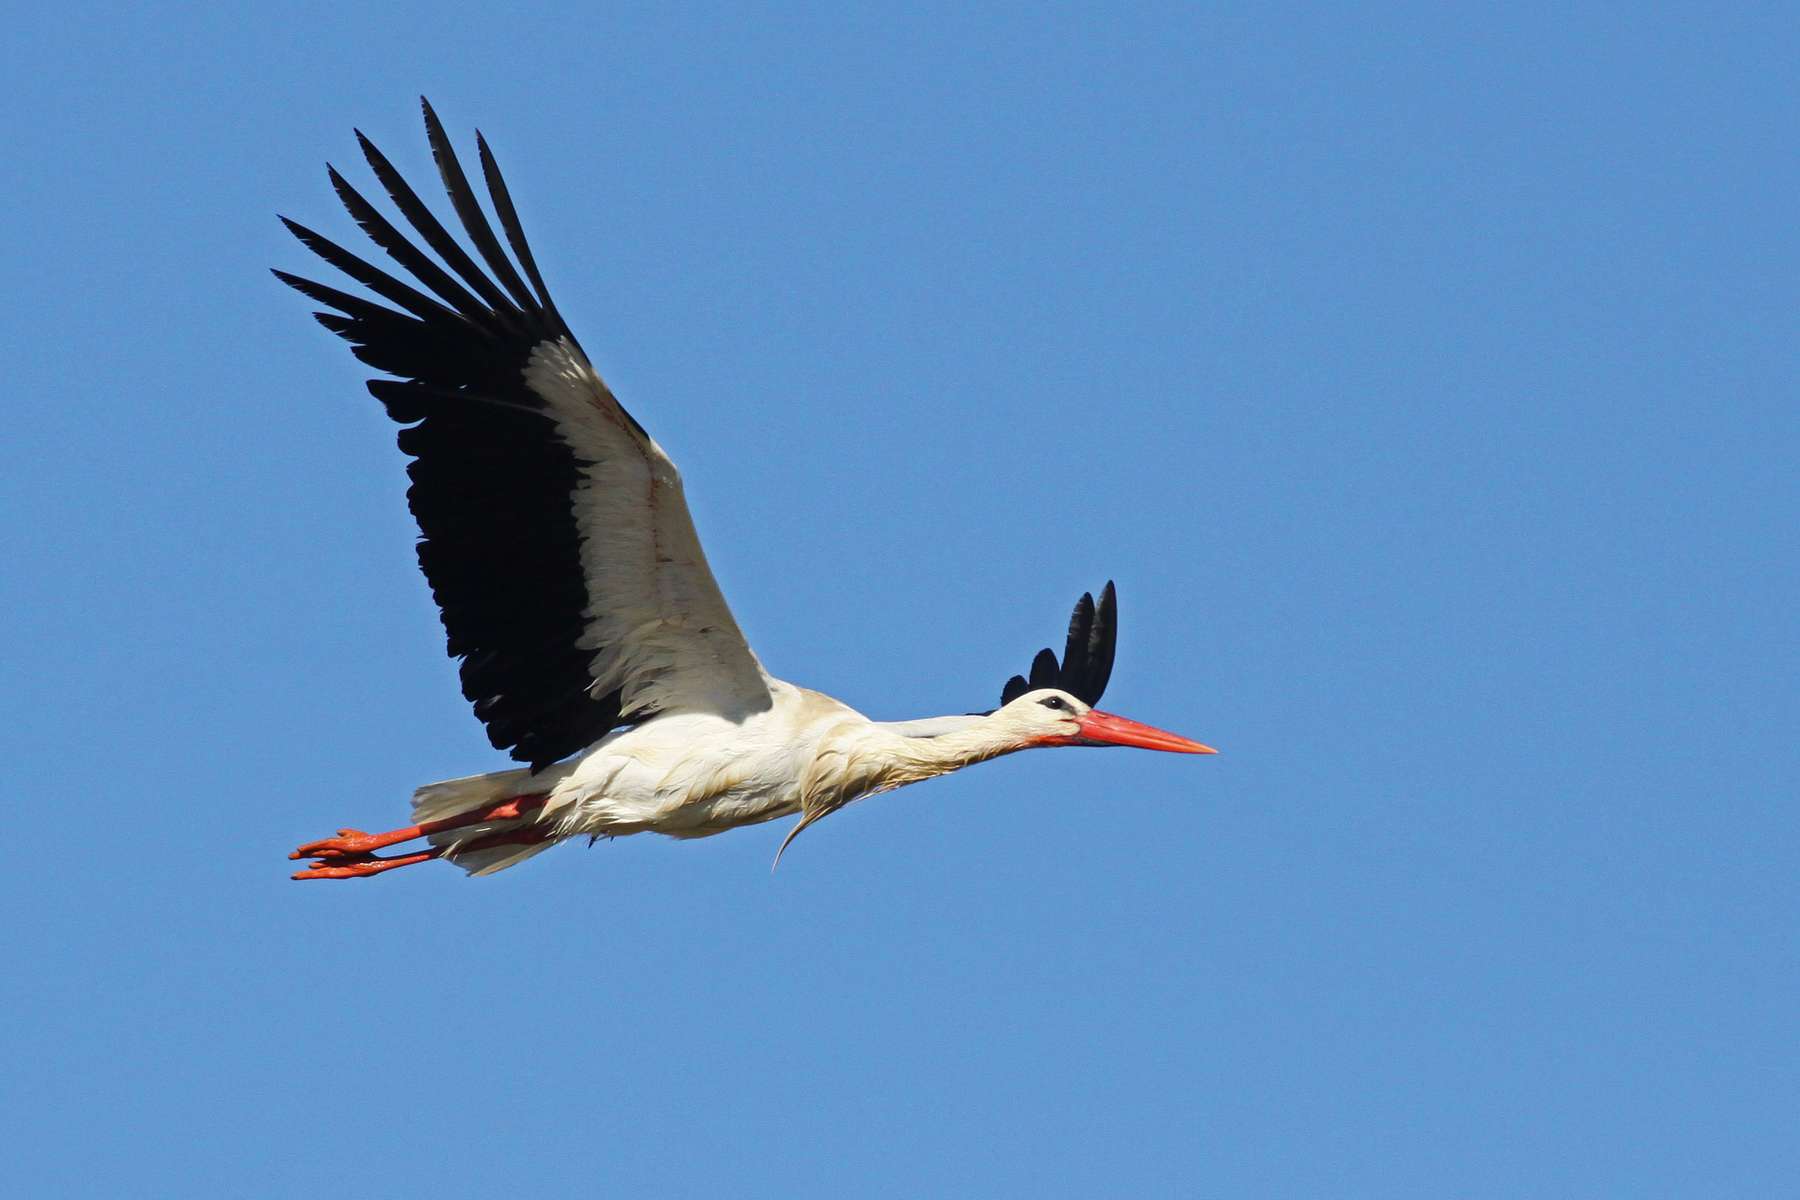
1053,702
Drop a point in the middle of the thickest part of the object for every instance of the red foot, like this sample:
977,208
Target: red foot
366,866
350,842
360,864
354,843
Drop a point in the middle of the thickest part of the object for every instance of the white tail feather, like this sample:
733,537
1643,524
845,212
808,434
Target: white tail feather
452,797
493,858
435,801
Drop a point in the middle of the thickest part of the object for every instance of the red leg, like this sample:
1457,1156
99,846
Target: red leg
361,866
354,843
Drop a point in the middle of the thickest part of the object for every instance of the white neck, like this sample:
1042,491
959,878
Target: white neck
882,755
937,745
931,727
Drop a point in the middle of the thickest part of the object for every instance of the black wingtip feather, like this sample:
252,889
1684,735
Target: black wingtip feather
344,302
515,234
382,232
436,236
490,477
371,277
468,210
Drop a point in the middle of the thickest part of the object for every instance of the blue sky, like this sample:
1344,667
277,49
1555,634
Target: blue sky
1426,380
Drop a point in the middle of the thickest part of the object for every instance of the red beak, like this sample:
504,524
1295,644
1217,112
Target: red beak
1103,729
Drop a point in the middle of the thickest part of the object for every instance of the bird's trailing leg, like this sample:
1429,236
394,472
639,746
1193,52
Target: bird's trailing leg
351,854
360,866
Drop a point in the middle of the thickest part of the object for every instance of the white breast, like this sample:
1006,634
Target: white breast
696,774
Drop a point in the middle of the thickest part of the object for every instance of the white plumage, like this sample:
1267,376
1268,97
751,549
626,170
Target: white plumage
670,641
593,639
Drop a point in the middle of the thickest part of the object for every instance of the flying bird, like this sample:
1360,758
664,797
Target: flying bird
593,640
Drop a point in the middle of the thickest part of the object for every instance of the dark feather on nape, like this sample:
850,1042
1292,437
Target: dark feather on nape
1103,643
1087,659
1074,660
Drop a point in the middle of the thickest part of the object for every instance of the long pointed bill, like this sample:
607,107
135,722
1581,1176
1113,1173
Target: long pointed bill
1103,729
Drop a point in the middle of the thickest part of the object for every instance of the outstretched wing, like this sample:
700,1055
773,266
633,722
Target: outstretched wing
553,531
1087,659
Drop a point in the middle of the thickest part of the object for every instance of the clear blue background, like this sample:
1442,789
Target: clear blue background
1426,381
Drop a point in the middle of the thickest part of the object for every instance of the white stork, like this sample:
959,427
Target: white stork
593,640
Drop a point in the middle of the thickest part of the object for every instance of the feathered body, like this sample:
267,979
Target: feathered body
695,774
594,642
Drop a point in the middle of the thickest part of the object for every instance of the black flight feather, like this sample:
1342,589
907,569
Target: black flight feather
468,210
373,278
381,231
492,481
515,235
434,233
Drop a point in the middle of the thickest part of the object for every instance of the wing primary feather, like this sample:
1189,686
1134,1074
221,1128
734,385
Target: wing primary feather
515,236
371,277
411,395
382,232
500,499
1015,687
344,302
434,233
468,210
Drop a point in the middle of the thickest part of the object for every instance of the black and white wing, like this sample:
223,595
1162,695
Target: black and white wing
553,529
1087,659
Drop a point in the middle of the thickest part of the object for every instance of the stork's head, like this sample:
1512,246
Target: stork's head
1053,717
1054,705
